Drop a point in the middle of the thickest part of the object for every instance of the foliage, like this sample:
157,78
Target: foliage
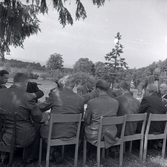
33,76
55,62
114,61
21,64
7,67
83,65
55,75
81,78
113,58
19,20
43,76
29,71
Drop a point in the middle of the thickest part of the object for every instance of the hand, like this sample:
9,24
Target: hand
34,95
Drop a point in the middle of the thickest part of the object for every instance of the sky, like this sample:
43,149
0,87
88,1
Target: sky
142,24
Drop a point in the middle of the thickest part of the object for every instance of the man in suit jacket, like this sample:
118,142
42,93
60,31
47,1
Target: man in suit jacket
152,103
63,102
16,99
105,106
155,79
127,105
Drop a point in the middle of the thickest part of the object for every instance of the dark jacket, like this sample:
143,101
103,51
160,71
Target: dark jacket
32,87
105,106
16,99
153,104
68,103
128,105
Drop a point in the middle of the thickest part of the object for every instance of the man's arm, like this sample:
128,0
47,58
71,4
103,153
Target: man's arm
52,100
143,106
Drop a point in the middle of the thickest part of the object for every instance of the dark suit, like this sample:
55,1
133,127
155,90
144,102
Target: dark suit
69,103
16,99
153,104
105,106
128,105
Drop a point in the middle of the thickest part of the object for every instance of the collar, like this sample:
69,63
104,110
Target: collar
103,94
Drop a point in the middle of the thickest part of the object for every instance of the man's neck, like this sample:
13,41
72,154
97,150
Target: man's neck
125,91
19,85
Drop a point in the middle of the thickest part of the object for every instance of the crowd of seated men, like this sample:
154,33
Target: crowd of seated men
33,120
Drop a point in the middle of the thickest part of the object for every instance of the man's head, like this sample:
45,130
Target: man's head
61,82
90,83
4,75
163,88
21,80
151,88
69,83
156,73
125,86
101,86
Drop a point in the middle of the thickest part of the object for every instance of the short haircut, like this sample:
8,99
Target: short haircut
3,72
102,85
20,77
125,85
70,82
152,88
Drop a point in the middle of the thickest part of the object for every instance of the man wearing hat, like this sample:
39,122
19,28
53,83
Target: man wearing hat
127,105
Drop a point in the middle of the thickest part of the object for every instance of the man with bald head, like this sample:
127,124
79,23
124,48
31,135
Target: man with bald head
155,79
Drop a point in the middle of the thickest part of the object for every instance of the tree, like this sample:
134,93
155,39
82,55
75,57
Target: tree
114,59
55,62
83,65
18,20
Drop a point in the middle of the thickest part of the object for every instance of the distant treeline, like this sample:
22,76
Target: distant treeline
21,64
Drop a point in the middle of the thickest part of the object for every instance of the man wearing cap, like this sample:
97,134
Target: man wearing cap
155,79
127,105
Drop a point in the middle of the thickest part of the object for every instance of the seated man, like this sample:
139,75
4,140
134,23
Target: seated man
151,103
16,99
4,75
63,102
103,105
127,105
163,93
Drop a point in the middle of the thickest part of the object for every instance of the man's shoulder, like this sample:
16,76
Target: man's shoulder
80,87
